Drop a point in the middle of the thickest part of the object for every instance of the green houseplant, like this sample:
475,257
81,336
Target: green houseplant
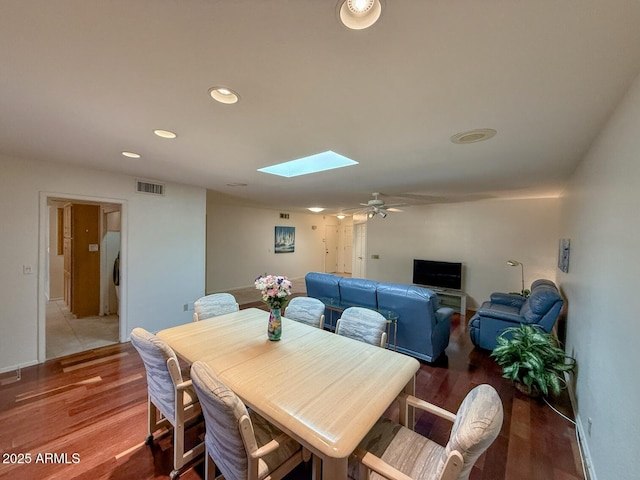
533,360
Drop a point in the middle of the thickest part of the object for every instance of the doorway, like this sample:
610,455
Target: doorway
79,308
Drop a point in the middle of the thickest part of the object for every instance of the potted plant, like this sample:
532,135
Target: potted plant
533,360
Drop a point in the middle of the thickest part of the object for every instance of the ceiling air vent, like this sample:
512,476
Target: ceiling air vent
143,186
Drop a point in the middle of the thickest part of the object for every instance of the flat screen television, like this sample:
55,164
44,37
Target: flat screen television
437,274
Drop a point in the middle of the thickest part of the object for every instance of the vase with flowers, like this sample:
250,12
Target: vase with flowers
275,291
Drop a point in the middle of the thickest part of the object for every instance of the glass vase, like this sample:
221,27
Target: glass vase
274,329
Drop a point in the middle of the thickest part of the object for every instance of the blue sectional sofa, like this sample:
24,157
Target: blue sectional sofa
506,310
423,327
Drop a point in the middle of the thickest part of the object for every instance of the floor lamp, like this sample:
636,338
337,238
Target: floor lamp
515,263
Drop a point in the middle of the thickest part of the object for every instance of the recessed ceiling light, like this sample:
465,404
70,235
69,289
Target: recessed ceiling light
360,14
316,209
131,154
473,136
165,134
312,164
224,95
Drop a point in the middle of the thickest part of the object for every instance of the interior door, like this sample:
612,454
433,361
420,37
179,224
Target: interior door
348,249
85,260
359,250
331,248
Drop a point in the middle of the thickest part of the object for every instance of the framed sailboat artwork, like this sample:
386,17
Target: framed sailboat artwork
285,240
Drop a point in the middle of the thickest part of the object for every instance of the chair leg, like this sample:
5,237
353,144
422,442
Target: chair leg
152,420
178,445
209,468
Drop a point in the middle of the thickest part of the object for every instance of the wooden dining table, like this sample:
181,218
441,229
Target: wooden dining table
324,390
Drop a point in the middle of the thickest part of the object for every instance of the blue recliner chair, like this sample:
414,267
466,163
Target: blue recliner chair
506,310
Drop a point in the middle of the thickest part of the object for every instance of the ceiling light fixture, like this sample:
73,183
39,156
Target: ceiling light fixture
316,209
360,14
131,154
224,95
473,136
341,216
165,134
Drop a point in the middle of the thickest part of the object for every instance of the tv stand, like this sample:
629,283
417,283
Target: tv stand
456,299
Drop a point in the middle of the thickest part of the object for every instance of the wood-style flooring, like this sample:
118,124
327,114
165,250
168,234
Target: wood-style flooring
84,417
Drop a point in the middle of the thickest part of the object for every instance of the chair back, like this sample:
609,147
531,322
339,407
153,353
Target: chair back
478,423
222,411
214,305
306,310
362,324
155,353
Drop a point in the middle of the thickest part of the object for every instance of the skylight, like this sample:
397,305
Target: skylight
312,164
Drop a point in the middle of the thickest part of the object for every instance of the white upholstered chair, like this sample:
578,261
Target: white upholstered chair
394,452
306,310
242,444
363,324
214,305
170,395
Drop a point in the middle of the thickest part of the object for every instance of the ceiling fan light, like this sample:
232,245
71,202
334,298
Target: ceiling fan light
360,14
383,214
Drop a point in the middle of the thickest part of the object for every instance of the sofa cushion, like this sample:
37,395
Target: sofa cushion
542,299
358,291
322,285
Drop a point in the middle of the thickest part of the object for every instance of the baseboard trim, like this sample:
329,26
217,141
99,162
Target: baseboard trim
585,454
583,446
16,368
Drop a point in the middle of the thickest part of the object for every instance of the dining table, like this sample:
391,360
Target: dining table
324,390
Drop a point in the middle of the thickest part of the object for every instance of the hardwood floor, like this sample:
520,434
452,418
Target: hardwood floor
84,417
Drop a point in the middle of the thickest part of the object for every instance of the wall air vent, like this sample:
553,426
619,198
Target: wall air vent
143,186
284,215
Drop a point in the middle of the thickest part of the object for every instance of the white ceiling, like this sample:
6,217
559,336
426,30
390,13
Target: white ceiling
83,80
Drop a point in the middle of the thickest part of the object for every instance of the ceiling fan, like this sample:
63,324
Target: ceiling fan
377,206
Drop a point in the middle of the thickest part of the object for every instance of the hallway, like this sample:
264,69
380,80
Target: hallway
67,334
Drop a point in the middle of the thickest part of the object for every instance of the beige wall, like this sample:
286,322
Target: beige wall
240,243
163,266
482,235
601,218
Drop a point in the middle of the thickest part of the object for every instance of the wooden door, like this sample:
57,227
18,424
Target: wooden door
66,250
85,260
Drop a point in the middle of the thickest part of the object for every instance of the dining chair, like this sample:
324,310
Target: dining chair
306,310
395,452
363,324
172,402
214,305
242,444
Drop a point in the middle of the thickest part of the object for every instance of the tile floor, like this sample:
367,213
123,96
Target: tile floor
67,334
